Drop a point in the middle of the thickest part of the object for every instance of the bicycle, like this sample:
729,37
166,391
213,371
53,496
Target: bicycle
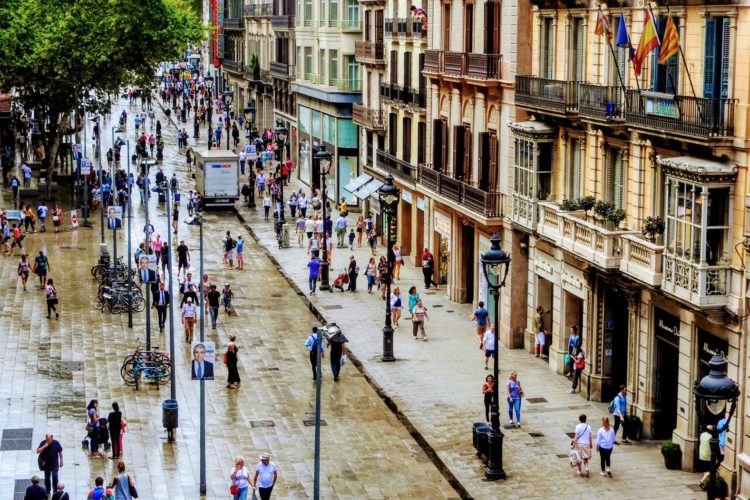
154,365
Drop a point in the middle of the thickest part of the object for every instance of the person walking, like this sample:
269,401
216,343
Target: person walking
114,423
60,493
397,261
183,258
227,295
360,230
189,312
229,245
123,484
17,239
481,316
372,239
23,270
240,478
337,345
413,298
605,440
341,231
266,205
52,300
582,442
41,212
266,474
240,247
311,344
213,300
619,408
352,271
314,266
383,276
428,268
299,225
370,271
514,392
50,453
579,364
175,218
488,344
574,342
93,427
41,266
397,306
165,258
488,389
418,317
233,374
99,491
35,491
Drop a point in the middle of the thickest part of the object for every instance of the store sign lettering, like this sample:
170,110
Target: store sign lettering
667,328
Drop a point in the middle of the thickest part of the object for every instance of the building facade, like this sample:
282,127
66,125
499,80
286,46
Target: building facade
283,72
601,155
234,58
326,85
259,85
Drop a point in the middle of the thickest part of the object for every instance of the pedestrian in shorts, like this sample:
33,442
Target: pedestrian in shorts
488,344
480,316
582,442
183,257
418,317
240,253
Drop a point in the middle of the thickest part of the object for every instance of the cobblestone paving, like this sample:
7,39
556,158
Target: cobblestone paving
366,452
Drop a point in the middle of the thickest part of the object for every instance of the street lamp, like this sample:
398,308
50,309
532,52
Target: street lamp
492,266
228,95
389,195
711,396
250,111
323,158
281,134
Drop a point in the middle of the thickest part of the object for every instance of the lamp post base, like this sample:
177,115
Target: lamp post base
494,470
387,356
325,284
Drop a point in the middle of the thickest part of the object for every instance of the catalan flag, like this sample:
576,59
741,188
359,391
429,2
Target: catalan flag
649,41
603,27
670,43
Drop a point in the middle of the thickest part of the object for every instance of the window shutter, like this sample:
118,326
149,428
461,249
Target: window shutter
619,178
575,170
444,144
467,155
437,144
709,60
725,33
578,48
458,135
549,48
488,13
407,69
609,176
421,141
484,160
493,147
407,139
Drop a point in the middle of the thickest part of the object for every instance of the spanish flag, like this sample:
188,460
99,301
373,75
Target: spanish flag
603,27
649,41
670,43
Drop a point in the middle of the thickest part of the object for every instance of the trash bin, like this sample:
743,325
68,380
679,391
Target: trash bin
483,441
478,427
169,413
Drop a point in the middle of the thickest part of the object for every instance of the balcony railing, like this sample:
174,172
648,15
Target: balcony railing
484,66
525,212
282,69
453,63
685,115
234,24
433,61
351,25
399,168
233,66
543,94
486,204
372,119
601,102
700,284
642,260
343,84
385,91
414,97
390,27
282,22
418,29
464,64
258,10
252,74
570,231
368,51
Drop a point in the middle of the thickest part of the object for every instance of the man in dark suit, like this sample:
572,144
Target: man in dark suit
161,302
201,369
113,222
149,276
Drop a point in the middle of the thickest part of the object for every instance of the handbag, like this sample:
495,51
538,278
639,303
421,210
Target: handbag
41,462
234,489
344,361
131,487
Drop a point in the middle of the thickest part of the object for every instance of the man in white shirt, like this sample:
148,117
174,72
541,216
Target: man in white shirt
309,228
488,344
188,282
266,473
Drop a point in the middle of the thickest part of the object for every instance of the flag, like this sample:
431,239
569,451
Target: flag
670,43
649,41
623,39
603,27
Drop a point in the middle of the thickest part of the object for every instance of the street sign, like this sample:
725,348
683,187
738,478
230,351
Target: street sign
85,166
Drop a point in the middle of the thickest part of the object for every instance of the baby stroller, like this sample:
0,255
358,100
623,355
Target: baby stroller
341,280
102,436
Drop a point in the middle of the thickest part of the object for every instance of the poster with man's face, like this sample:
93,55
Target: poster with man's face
114,217
204,356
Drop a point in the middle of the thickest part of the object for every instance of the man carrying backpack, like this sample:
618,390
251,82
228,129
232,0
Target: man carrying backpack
619,408
229,245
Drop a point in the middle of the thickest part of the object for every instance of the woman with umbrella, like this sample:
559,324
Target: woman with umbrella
337,345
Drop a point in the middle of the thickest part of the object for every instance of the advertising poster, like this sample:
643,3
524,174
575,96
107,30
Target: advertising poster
204,357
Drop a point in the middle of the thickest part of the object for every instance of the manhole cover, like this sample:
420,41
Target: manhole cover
262,423
536,400
16,439
310,422
536,434
332,307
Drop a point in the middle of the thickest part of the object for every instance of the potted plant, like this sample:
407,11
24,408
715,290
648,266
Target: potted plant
615,216
255,66
653,227
586,203
672,455
602,208
717,488
569,206
634,426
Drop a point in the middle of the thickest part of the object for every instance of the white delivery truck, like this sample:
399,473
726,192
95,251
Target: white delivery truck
217,177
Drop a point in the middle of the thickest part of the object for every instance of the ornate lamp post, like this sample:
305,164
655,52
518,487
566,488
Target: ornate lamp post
389,195
281,134
209,84
323,158
228,96
493,262
711,396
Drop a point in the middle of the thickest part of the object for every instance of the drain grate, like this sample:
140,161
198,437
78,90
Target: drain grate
536,434
562,455
19,492
310,422
450,311
71,366
435,306
267,369
262,423
535,400
332,307
16,439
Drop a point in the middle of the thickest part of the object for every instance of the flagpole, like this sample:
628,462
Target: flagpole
614,57
684,61
630,51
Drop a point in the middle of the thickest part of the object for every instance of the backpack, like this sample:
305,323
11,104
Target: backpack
613,405
233,243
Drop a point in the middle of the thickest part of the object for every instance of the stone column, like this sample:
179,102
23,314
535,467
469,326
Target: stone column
454,119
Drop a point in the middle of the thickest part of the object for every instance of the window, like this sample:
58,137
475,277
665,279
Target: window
333,13
407,69
393,134
614,181
304,119
716,72
299,59
407,139
333,64
532,177
348,133
308,12
329,129
462,153
322,12
685,236
308,63
353,74
576,49
446,26
469,27
665,77
352,10
317,131
574,170
547,52
492,30
421,141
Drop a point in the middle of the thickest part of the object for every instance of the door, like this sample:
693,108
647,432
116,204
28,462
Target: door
405,224
379,21
368,25
667,362
469,28
446,26
467,251
492,30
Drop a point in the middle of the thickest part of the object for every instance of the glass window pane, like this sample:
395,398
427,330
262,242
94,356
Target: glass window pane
304,119
316,128
347,134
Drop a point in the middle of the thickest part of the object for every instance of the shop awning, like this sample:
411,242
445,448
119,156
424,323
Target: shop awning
365,191
358,182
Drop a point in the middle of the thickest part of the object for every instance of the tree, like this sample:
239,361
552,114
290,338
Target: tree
61,55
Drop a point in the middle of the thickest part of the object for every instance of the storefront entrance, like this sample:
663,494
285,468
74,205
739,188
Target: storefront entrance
615,355
467,262
573,314
544,298
667,329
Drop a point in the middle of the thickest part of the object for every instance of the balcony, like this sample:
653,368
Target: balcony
233,66
586,240
601,103
369,52
371,119
690,117
341,84
433,61
351,25
400,168
483,203
252,74
484,66
466,65
234,24
282,23
699,284
642,260
282,70
525,212
558,97
258,9
414,97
